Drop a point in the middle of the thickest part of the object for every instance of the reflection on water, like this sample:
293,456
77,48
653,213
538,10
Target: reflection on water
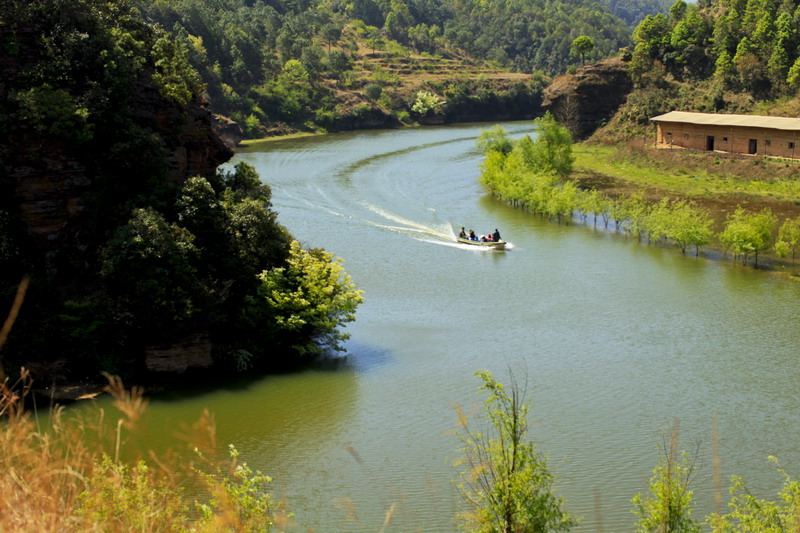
616,338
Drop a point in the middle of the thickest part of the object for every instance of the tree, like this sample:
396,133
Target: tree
688,225
747,233
788,238
667,509
331,34
504,479
308,300
495,139
581,46
149,269
551,150
426,102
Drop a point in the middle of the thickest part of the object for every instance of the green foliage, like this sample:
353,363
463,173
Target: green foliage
581,46
123,498
243,494
750,514
747,233
551,150
175,77
54,112
149,266
743,45
668,506
495,139
426,103
788,238
505,480
308,300
373,91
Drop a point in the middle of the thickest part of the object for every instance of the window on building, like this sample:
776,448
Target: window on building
791,146
766,142
724,139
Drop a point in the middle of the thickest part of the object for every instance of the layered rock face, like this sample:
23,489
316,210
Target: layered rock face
52,185
583,101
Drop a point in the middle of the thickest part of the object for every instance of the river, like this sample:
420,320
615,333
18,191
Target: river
614,338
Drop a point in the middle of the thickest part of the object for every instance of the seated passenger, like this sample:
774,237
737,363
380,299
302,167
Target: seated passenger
462,234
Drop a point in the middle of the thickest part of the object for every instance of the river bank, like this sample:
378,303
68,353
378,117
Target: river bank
719,183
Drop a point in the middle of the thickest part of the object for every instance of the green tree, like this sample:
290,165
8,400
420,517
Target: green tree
308,300
149,269
426,103
581,46
495,139
504,479
746,233
668,506
788,238
688,225
551,150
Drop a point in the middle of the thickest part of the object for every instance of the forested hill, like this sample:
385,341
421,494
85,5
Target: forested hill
735,56
325,63
139,256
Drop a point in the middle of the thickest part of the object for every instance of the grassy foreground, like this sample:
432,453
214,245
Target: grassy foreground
66,474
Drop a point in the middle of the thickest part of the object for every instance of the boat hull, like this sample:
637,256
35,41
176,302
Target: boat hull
498,245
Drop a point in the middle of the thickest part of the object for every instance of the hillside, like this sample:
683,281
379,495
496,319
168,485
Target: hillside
282,66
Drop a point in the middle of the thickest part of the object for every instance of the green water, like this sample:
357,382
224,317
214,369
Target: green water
615,339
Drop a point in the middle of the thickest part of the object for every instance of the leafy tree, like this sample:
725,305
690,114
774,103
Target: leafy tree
426,103
339,62
55,112
149,267
788,238
668,506
747,233
551,150
331,34
678,10
581,46
688,225
176,78
495,139
504,479
308,300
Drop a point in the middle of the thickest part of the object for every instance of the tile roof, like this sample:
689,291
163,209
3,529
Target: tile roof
715,119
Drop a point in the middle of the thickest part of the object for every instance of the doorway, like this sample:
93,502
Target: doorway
710,143
753,147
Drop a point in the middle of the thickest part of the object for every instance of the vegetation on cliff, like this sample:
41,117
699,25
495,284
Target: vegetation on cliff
111,201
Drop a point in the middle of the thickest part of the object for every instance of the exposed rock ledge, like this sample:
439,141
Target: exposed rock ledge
190,353
584,100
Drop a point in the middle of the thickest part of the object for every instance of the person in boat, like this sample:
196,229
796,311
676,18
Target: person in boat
496,235
463,234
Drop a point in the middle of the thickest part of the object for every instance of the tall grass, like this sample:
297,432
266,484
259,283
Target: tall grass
68,476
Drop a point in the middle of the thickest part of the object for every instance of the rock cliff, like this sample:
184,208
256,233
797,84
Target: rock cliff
583,101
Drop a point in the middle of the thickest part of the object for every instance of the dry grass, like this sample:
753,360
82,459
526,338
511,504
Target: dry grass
68,476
